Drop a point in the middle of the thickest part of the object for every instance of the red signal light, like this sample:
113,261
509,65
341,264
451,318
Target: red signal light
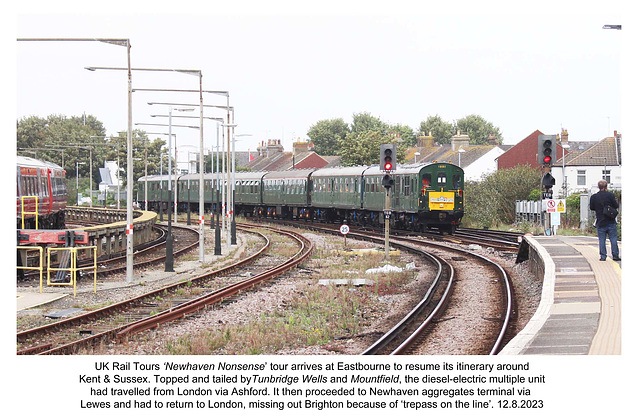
387,166
547,159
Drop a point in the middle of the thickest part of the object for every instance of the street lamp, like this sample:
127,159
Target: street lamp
229,109
168,265
77,187
460,152
233,183
199,74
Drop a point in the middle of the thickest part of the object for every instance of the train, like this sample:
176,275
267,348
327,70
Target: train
42,182
423,196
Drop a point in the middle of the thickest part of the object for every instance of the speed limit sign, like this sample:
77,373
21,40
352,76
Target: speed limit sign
344,229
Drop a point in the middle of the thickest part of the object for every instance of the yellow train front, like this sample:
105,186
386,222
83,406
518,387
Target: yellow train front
423,196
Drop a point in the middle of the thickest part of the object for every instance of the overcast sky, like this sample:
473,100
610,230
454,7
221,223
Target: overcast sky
288,68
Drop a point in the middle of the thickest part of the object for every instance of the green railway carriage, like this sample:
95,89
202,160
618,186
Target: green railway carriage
248,192
336,193
423,196
157,190
286,193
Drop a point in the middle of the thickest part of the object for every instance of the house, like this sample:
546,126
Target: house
524,153
476,160
272,157
587,164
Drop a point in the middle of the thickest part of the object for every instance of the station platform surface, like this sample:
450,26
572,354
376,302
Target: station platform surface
580,307
28,300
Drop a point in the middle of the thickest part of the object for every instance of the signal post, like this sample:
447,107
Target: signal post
546,158
387,164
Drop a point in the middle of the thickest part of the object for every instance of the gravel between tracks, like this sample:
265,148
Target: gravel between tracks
388,310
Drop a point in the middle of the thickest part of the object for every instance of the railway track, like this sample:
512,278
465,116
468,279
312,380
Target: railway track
408,335
121,320
153,252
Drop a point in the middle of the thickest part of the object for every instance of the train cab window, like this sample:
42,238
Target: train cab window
456,182
426,183
442,178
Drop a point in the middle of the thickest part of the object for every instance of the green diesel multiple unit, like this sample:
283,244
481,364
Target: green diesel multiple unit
423,196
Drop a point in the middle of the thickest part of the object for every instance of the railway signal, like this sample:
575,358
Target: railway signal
387,181
388,157
547,149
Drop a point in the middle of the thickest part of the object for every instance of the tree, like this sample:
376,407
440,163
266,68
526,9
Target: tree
506,186
326,135
364,122
364,148
406,133
42,136
478,129
439,129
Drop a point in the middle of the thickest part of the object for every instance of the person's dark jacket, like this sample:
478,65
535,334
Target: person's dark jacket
597,203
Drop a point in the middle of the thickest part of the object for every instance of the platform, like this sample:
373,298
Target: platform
28,300
580,307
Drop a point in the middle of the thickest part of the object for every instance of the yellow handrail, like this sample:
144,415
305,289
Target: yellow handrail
29,212
26,267
73,270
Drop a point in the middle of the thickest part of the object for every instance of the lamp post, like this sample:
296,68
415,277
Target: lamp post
199,74
229,110
123,42
77,187
460,152
233,188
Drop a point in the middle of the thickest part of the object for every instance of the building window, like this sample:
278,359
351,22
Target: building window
582,177
606,175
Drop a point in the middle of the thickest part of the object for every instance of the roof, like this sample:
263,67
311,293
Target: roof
608,151
444,153
35,163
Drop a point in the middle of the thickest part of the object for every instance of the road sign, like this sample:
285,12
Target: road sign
344,229
561,206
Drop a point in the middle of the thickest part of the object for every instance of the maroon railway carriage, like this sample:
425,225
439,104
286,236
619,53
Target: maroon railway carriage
46,181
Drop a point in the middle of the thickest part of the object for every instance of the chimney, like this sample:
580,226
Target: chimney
564,137
425,141
458,141
492,139
273,147
300,147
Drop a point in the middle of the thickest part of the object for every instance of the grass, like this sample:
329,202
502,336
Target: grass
313,317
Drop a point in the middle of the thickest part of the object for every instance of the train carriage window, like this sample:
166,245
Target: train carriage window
442,178
406,185
456,182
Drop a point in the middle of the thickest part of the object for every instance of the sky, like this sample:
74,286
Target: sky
289,66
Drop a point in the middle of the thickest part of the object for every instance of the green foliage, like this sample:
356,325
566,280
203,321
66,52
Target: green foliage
535,195
364,148
439,129
364,122
492,200
326,135
478,129
67,140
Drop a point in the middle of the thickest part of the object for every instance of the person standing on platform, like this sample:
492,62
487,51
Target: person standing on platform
605,225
